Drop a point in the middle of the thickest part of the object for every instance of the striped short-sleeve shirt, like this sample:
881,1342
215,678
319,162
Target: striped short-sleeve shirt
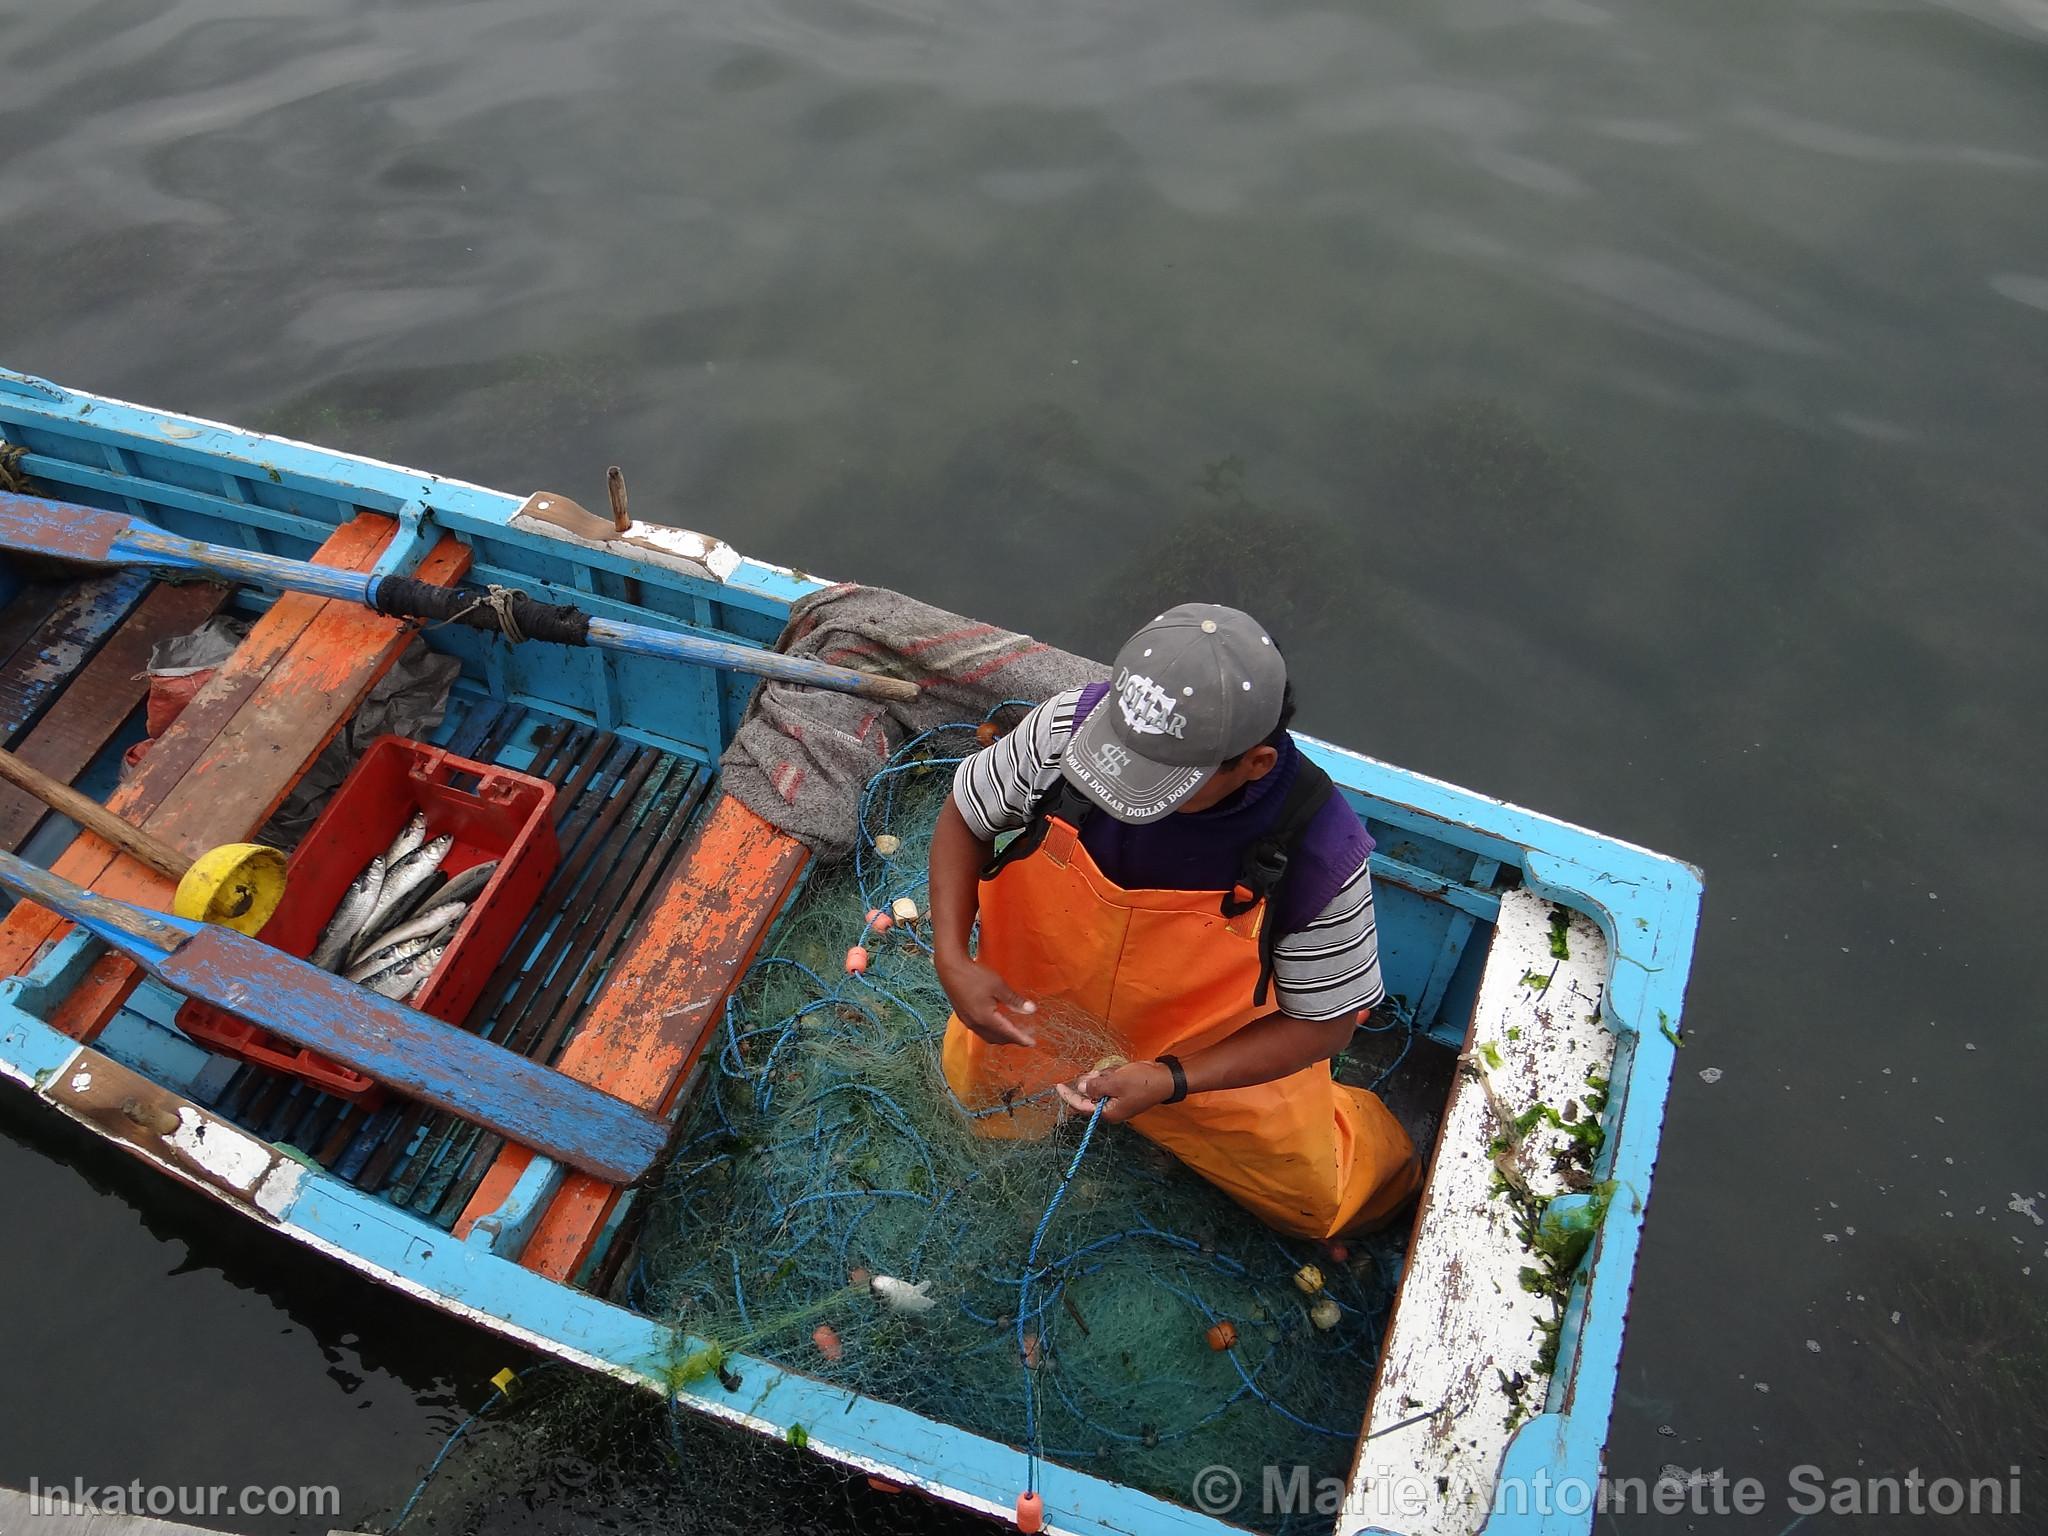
1325,969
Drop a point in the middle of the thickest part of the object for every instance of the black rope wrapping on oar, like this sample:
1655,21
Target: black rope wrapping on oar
501,610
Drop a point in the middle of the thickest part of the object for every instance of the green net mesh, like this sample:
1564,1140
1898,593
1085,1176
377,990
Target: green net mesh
1061,1285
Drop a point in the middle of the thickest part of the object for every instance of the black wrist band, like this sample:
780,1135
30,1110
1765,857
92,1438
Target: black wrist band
1180,1079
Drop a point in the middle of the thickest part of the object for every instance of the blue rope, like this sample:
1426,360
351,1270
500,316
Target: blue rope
498,1395
1033,1450
838,1142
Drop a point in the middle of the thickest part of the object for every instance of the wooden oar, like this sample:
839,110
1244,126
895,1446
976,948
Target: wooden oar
238,884
420,1056
35,525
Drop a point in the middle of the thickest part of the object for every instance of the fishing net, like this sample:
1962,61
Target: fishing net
565,1451
1047,1280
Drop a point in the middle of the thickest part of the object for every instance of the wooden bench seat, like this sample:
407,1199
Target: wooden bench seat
657,1010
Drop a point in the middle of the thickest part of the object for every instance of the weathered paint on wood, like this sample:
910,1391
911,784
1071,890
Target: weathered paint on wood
59,529
657,1008
25,930
83,533
99,698
418,1055
25,608
1463,1322
243,775
43,663
413,1052
200,1148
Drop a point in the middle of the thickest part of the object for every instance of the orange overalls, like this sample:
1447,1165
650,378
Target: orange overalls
1168,972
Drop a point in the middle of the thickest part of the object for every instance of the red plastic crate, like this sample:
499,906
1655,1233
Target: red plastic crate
508,817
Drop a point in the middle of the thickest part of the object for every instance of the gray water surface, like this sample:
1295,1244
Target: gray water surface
1638,412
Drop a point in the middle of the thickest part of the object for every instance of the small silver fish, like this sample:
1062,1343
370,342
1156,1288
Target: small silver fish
404,883
446,914
347,922
407,976
413,834
464,887
390,955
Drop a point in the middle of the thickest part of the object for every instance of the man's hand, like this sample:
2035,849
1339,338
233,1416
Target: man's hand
1131,1089
986,1004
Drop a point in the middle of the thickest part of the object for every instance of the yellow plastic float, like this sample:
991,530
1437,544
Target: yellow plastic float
237,885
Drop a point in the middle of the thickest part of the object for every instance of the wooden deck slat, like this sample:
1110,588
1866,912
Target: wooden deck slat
24,613
574,876
651,1020
519,1025
539,1031
84,718
43,663
592,820
555,1025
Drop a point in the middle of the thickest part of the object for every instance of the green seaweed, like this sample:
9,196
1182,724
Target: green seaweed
1535,981
1491,1053
1560,934
699,1364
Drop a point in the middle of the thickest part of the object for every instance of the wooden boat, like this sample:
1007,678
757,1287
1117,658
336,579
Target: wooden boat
1551,958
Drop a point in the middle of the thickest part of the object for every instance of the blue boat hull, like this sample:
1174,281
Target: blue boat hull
1450,857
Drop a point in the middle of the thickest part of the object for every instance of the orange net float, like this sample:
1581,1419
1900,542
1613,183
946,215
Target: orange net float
856,960
826,1337
1222,1335
1030,1513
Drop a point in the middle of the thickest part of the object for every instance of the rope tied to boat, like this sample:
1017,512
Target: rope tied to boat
507,611
12,480
498,601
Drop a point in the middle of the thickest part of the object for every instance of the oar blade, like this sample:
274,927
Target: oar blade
142,935
30,525
419,1056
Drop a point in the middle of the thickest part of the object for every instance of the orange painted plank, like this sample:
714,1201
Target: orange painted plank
260,754
648,1026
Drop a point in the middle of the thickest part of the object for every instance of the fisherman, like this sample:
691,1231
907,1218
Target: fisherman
1183,872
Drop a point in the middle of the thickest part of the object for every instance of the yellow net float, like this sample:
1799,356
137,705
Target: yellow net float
237,885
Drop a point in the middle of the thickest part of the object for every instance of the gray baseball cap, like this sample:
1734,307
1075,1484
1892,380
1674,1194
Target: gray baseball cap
1199,684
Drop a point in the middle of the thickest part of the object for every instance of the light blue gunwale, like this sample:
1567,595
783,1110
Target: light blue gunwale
1646,905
